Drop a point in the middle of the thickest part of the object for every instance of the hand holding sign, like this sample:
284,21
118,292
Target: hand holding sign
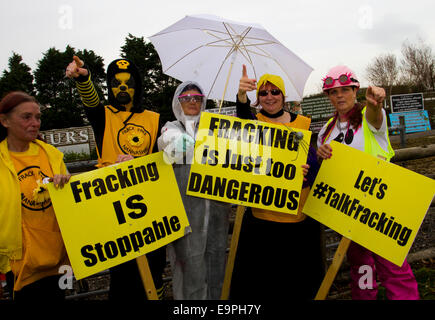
59,180
74,69
324,151
123,157
245,84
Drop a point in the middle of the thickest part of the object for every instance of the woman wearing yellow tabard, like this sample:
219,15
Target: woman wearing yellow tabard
31,246
278,255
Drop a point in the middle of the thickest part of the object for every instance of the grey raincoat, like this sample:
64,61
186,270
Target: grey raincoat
197,259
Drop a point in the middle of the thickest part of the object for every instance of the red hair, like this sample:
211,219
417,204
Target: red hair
9,102
354,116
13,99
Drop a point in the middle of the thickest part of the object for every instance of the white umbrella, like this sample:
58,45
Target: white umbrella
205,48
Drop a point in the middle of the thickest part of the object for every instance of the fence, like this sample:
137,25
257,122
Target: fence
401,154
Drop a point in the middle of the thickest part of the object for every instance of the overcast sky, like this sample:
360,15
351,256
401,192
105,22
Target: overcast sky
322,33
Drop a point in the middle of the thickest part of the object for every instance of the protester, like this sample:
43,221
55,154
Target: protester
365,129
123,130
279,255
31,246
296,107
197,259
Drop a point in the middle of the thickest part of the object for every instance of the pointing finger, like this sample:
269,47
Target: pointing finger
244,72
78,62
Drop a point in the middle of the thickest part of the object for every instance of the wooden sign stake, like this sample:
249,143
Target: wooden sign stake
232,254
147,278
339,255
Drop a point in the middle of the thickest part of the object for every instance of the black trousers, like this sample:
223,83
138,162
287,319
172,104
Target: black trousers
126,282
45,289
277,261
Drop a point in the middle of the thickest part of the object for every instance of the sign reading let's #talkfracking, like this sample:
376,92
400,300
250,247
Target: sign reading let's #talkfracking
117,213
375,203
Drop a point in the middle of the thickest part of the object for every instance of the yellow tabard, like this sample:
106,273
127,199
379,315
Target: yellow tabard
128,133
300,122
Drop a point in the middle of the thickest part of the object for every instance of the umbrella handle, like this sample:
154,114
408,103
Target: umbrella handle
233,58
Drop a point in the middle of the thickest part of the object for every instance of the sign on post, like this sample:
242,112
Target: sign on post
372,202
415,121
318,108
117,213
406,102
75,139
248,163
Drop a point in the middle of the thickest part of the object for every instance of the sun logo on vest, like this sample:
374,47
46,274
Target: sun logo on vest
134,140
40,193
35,195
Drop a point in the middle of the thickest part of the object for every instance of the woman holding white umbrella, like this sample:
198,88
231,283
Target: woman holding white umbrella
278,255
197,259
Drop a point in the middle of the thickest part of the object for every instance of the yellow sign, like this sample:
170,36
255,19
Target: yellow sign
248,163
114,214
375,203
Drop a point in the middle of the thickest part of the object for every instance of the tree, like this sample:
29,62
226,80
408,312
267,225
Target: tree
58,93
19,77
418,65
383,71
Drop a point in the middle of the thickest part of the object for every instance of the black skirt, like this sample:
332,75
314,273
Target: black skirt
277,261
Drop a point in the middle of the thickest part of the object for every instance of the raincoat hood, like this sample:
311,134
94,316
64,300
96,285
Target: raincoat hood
176,105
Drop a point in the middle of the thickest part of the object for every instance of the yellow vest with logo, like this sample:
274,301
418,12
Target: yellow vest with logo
128,133
43,249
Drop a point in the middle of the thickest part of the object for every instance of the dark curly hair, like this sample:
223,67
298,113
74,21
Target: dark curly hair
354,117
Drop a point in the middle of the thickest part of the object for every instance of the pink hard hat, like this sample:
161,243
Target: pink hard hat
339,76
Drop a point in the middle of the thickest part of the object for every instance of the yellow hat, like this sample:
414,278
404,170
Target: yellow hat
273,79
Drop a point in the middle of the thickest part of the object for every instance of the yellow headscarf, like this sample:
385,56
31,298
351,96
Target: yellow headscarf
273,79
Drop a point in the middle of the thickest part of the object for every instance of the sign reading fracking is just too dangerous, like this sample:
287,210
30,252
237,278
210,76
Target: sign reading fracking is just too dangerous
372,202
247,162
114,214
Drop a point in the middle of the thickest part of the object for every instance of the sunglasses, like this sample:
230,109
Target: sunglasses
264,93
344,79
189,97
348,138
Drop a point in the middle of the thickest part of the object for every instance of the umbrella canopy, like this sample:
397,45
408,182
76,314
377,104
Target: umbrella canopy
205,48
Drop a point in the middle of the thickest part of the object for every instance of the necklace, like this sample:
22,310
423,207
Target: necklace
276,115
339,127
348,137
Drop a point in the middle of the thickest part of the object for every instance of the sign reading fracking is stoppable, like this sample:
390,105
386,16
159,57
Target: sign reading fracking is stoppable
249,163
372,202
117,213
